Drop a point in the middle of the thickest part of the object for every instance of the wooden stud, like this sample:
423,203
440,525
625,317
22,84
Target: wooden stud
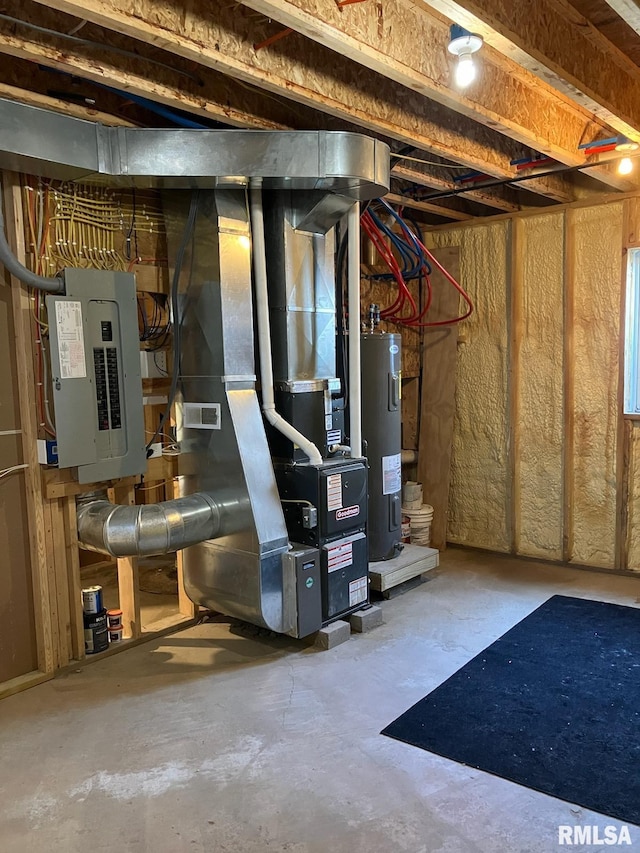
45,640
568,385
58,522
437,406
129,578
185,606
517,249
74,581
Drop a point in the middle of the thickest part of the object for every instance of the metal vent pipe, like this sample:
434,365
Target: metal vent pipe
127,531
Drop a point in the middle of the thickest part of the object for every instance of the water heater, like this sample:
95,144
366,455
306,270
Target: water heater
381,429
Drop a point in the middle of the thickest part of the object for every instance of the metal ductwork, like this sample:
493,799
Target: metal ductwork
150,529
230,518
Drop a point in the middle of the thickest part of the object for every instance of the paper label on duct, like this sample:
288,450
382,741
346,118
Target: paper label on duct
73,364
334,492
357,591
391,474
340,556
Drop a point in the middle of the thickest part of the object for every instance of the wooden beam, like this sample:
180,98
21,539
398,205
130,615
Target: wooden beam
426,207
391,39
427,179
628,11
222,39
557,44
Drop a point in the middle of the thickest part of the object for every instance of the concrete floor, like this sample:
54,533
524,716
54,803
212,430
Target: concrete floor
215,739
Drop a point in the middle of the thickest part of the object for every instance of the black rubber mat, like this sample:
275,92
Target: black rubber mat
554,704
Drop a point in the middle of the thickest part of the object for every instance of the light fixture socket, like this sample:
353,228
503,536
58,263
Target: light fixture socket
625,144
463,43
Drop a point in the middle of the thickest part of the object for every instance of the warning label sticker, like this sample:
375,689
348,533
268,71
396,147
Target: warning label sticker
334,492
391,474
73,364
340,556
357,591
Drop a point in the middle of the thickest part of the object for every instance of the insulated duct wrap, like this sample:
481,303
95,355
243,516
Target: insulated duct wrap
122,530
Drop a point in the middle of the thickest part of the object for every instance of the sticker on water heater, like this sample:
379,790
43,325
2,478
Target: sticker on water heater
357,591
70,334
334,492
340,556
391,474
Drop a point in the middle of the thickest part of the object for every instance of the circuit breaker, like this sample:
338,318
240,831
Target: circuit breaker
95,374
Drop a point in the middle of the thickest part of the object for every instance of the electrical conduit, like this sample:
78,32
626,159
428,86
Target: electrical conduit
264,332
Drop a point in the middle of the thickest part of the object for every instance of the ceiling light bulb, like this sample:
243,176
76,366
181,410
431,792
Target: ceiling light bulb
465,70
625,166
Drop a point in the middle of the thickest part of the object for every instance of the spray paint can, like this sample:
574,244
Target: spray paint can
96,636
92,599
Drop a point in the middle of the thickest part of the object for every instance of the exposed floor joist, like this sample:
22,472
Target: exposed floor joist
628,11
407,44
553,41
222,38
427,179
427,207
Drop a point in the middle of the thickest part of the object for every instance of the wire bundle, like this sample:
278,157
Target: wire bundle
407,259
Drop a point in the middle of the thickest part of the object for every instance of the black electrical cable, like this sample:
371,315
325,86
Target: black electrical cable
187,236
341,350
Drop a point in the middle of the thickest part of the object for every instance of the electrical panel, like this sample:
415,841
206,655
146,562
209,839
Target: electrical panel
95,375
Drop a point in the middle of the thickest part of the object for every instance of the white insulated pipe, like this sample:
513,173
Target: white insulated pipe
353,295
264,332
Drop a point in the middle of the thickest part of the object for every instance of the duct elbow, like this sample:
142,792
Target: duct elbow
147,530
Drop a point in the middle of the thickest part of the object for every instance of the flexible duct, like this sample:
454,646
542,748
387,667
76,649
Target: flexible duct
126,531
15,268
264,334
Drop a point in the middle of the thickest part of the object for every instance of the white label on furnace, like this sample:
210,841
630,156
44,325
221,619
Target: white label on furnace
357,591
340,556
391,474
73,364
334,492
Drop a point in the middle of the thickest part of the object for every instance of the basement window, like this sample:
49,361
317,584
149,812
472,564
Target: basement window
632,336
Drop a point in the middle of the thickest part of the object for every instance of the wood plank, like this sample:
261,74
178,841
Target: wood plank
61,482
222,38
185,606
390,40
151,279
437,406
498,197
410,412
562,48
515,340
129,578
52,600
23,682
74,581
427,207
24,361
58,522
568,385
